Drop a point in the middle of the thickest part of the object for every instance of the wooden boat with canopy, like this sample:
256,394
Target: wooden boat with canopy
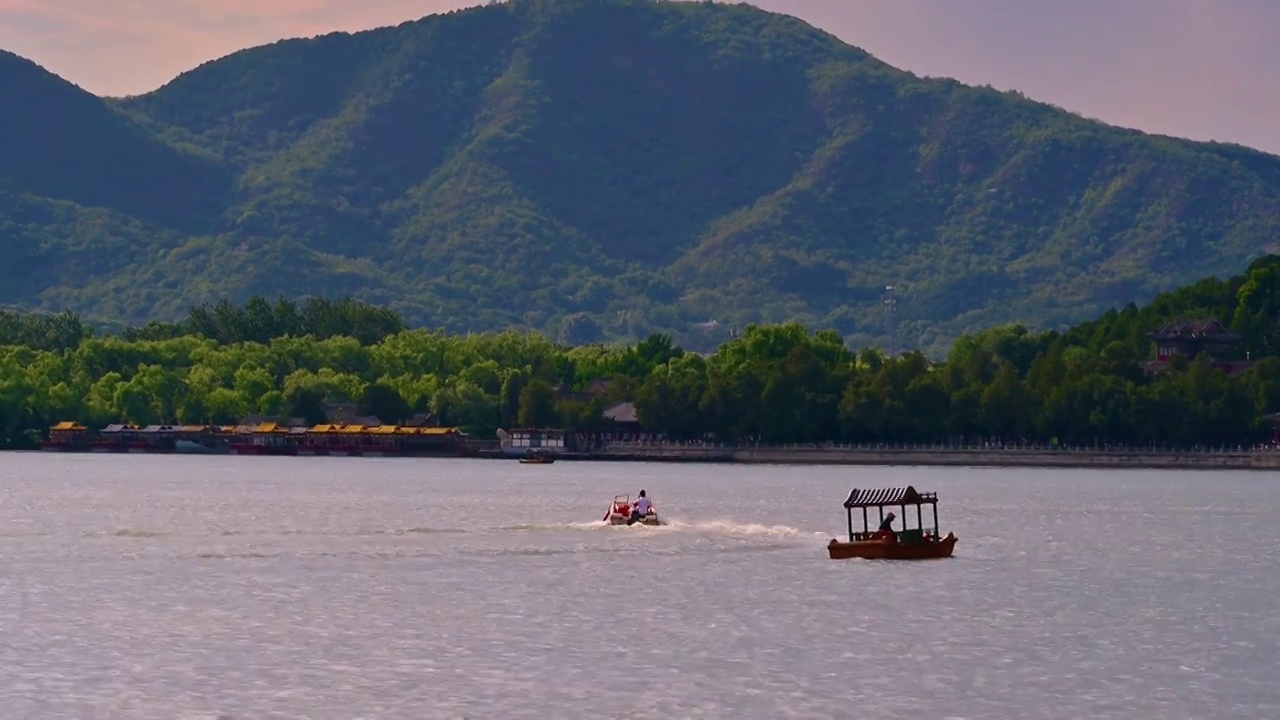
920,543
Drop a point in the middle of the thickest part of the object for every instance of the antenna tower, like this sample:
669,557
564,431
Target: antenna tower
890,301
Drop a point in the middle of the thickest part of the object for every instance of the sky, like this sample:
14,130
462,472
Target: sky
1201,69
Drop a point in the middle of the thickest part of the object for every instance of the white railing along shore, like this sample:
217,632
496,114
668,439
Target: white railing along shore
1239,449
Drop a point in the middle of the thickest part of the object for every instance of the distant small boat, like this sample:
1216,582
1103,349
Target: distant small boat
917,544
537,458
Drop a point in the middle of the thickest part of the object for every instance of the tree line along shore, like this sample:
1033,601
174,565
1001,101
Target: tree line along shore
1196,368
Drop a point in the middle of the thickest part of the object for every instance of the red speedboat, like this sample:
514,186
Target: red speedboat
619,513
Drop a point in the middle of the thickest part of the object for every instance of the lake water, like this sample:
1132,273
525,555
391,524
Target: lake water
243,588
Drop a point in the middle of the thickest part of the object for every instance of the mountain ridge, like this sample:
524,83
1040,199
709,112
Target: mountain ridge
601,170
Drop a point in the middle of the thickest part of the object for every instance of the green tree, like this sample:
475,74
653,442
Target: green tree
537,405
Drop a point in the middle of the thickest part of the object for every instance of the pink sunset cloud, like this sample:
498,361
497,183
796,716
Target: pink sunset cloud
1194,68
132,46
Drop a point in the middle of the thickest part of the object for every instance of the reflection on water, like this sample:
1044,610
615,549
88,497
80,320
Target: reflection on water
223,587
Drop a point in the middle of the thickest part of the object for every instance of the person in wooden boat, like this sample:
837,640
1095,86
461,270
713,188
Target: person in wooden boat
640,509
886,526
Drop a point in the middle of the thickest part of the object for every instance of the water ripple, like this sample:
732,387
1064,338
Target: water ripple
235,588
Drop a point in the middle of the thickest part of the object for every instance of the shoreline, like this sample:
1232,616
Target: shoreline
941,457
1258,460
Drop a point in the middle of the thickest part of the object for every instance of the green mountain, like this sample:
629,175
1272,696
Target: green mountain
604,169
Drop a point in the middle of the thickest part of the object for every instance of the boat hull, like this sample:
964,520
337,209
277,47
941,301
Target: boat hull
650,519
886,549
92,447
251,449
190,447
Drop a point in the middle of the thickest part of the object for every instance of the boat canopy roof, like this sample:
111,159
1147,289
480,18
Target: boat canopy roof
880,497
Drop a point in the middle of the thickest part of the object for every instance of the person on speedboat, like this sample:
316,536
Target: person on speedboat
640,509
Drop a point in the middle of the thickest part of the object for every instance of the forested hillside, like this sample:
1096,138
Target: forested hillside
606,169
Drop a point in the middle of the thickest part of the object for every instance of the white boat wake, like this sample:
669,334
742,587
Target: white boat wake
675,525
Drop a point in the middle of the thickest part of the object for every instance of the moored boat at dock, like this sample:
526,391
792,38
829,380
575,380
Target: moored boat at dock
70,436
268,438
